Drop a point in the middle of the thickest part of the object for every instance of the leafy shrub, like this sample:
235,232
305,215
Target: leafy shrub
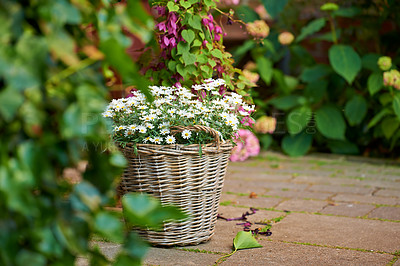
51,97
337,102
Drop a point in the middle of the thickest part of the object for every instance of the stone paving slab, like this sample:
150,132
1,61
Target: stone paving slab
175,257
367,199
302,205
342,189
300,194
327,180
387,193
259,202
338,231
276,253
390,213
348,209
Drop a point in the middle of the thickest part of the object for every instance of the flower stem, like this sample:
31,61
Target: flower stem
223,257
332,24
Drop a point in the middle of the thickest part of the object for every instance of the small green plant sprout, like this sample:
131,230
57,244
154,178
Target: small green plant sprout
243,240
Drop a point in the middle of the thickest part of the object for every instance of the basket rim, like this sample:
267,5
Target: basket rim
175,149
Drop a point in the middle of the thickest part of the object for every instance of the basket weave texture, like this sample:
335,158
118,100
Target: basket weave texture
177,174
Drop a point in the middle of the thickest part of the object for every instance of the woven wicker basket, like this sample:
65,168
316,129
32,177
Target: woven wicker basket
178,175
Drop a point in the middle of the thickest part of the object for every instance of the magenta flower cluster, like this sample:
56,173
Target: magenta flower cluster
170,28
215,30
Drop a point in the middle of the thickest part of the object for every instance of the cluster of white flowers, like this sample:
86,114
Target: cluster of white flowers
137,120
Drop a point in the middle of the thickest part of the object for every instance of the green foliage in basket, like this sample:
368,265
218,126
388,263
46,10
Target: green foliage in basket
51,97
139,121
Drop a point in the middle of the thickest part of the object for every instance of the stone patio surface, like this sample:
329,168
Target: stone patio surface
324,210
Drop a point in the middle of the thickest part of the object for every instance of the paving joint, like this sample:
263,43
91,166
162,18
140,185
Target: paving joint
333,247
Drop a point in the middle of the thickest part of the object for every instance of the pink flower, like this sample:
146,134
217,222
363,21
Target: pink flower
161,26
247,145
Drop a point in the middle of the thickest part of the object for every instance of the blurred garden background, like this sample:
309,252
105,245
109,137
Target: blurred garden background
323,77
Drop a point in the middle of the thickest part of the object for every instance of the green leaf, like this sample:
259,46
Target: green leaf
378,117
88,194
189,59
181,70
182,48
355,110
297,145
345,61
10,101
118,160
396,105
316,90
195,22
330,122
142,210
134,250
217,53
244,240
375,82
385,98
109,226
311,28
172,65
274,7
188,35
27,257
329,7
280,79
315,72
298,119
291,82
286,102
265,140
343,147
389,125
244,48
264,67
172,7
301,54
62,12
185,4
370,61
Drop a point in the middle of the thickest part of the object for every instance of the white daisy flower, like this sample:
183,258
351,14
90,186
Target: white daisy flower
108,113
243,113
197,87
147,139
170,139
163,125
149,125
164,131
132,127
119,128
186,134
142,129
156,140
172,111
